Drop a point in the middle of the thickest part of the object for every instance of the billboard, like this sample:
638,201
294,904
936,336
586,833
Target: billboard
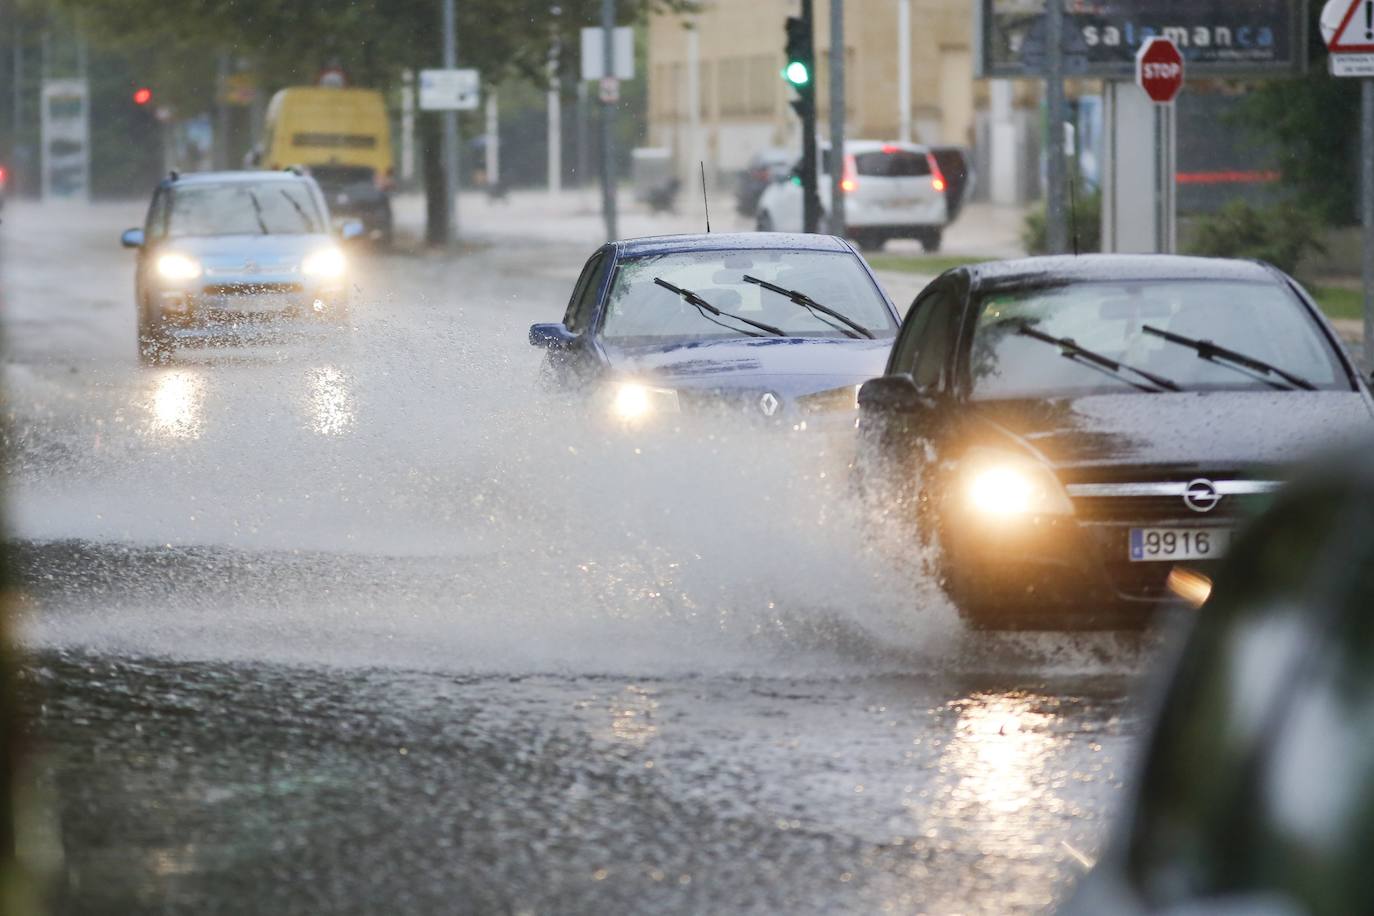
1217,37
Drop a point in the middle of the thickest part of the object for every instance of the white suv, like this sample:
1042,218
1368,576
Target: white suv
894,191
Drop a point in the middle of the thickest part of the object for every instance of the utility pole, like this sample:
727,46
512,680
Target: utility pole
608,106
450,132
1367,206
904,70
837,116
554,99
1056,194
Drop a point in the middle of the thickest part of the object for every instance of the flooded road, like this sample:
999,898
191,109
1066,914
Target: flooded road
359,619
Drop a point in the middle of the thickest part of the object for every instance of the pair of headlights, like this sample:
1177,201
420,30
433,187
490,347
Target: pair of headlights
325,264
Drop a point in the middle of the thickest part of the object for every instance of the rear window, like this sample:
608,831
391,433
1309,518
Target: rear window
899,164
334,141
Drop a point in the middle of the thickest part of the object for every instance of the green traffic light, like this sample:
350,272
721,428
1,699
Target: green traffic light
797,74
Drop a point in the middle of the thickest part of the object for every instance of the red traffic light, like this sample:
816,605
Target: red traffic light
143,95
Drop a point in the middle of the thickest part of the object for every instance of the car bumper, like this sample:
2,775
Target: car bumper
238,299
1060,571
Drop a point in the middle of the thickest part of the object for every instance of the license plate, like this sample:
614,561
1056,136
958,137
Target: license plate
1163,545
901,203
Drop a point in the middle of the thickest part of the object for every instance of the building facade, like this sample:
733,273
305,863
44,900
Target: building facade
716,94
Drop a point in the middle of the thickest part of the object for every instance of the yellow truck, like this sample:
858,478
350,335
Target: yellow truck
341,137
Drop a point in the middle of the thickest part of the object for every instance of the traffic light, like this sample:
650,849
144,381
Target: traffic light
143,95
800,55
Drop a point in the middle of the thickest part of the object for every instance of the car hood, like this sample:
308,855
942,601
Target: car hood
1204,431
268,252
786,365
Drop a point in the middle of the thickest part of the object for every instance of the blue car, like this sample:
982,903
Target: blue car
778,328
220,249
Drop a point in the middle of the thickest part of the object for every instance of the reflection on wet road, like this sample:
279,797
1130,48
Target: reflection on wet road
360,620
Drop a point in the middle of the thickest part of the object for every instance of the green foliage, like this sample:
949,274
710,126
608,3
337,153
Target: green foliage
1085,224
289,41
1314,121
1280,234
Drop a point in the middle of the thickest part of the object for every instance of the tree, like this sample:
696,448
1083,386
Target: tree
1313,121
373,40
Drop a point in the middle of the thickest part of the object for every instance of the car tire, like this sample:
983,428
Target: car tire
764,222
870,241
931,240
154,345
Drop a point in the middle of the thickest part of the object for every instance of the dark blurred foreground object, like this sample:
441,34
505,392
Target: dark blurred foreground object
1257,790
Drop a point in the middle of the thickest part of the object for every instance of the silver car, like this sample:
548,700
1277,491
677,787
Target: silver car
227,249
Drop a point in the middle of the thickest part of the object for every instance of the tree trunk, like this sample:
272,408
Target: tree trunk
432,164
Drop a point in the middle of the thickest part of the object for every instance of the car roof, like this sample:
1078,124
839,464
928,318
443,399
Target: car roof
728,241
1048,271
246,176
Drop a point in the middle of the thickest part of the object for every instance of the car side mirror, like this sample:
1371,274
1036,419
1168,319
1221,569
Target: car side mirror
132,238
551,336
894,394
351,229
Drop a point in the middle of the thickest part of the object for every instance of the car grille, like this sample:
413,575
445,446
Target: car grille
1165,508
252,289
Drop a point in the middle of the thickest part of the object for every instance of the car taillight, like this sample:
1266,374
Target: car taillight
849,181
937,177
4,176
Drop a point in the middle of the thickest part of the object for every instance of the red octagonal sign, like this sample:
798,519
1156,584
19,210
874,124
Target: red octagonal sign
1159,70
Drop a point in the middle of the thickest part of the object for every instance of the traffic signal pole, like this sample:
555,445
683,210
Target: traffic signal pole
837,115
801,73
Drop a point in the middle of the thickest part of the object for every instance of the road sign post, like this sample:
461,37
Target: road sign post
1159,74
1348,29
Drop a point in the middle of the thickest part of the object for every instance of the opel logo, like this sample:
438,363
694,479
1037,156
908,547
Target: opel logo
1201,495
250,267
769,404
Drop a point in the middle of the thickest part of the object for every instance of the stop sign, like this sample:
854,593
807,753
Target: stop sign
1159,70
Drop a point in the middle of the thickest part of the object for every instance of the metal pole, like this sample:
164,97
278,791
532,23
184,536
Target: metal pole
554,101
582,144
221,145
1055,192
608,176
811,192
493,144
694,156
904,70
450,131
837,117
1367,193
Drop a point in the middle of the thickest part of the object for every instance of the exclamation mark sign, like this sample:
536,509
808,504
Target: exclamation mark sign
1369,20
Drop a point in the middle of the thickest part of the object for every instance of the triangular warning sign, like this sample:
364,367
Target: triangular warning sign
1355,33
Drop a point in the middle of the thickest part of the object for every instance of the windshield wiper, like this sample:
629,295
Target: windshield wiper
702,305
1233,360
1072,350
305,220
257,212
852,328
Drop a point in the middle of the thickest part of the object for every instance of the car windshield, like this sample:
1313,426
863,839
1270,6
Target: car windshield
641,311
1121,321
277,208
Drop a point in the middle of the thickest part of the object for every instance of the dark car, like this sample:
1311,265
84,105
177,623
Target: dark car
357,192
1065,432
1256,794
781,328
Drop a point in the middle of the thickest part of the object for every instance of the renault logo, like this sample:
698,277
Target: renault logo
769,404
1201,495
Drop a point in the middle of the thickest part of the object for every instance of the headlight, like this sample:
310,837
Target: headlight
1005,485
633,401
327,263
174,266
